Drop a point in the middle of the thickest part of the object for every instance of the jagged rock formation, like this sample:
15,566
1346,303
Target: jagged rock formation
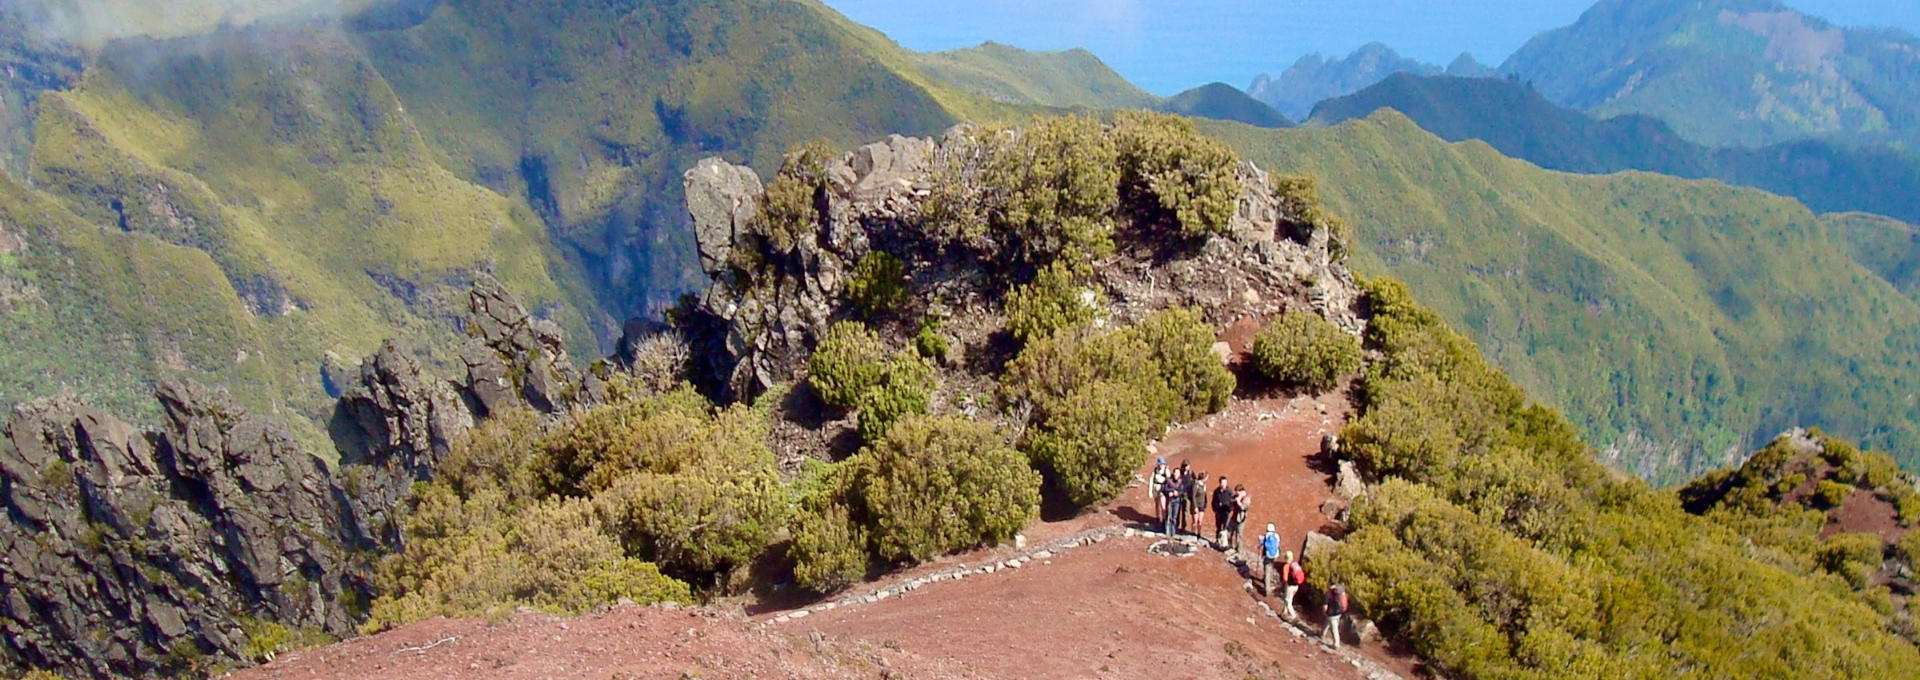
758,321
129,553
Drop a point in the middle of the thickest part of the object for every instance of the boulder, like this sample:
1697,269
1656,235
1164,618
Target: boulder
723,200
1348,484
1319,548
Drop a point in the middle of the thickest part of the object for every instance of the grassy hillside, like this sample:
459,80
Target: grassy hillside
1889,247
1220,101
1520,122
1678,323
1730,72
1068,79
248,200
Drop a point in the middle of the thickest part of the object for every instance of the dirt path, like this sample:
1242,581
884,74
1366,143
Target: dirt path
1111,609
1095,603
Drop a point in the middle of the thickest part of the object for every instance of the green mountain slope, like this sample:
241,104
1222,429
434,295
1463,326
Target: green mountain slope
236,205
1520,122
1889,247
1730,72
1677,322
1220,101
1067,79
1075,79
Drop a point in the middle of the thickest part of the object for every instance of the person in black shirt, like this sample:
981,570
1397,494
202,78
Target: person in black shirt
1222,512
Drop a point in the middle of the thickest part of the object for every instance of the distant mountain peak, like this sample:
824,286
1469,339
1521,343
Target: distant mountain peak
1313,78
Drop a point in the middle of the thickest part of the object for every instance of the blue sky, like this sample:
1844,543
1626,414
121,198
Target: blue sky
1170,45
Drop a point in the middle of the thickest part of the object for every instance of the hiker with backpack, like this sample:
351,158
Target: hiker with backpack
1157,488
1242,501
1292,576
1222,512
1172,497
1336,610
1269,556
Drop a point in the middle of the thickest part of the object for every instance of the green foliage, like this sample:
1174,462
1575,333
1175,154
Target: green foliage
879,285
1828,494
936,484
791,209
1167,360
1302,348
1091,443
1498,547
1053,300
930,343
1625,300
266,639
1176,182
1299,200
905,387
849,361
1179,346
1908,549
1854,557
829,551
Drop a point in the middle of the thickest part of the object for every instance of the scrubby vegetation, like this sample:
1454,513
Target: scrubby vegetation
1305,349
1052,301
1499,547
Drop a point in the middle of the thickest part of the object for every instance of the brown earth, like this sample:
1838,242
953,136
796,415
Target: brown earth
1109,609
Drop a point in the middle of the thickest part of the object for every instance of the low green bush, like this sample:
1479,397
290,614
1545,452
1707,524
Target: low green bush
828,551
848,361
1305,349
1851,556
930,343
1090,446
878,286
937,484
1175,181
1829,494
905,387
1052,301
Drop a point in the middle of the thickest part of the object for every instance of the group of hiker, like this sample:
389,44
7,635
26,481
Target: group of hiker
1178,495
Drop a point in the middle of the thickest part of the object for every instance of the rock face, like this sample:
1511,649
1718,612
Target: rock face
129,552
755,324
132,553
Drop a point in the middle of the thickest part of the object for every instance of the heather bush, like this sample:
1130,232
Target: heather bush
937,484
1092,442
1302,348
878,286
828,550
1053,300
1173,180
905,387
848,361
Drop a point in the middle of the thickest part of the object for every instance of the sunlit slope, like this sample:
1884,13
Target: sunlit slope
1677,322
280,168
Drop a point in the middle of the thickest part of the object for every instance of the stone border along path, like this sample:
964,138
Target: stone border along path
1367,666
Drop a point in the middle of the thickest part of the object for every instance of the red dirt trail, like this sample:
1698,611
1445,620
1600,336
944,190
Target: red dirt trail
1105,610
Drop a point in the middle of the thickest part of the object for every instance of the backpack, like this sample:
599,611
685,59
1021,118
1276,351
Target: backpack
1295,575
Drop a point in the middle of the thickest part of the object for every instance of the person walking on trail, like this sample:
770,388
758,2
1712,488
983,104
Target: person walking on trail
1157,487
1222,512
1269,559
1242,501
1171,498
1196,502
1336,610
1292,576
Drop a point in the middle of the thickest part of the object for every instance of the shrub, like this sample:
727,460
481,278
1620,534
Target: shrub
1180,346
829,551
930,343
905,387
879,285
848,361
1040,194
1854,557
1302,348
1908,549
1303,214
936,484
791,208
1175,181
1091,444
1053,300
499,454
1829,494
707,520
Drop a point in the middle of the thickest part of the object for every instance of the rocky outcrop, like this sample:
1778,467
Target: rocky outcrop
765,310
132,553
127,553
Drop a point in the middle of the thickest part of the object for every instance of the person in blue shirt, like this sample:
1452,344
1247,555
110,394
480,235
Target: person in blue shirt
1269,556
